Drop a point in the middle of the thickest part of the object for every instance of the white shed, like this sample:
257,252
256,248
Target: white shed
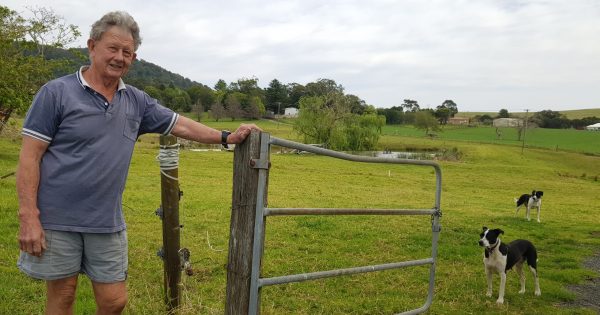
291,112
595,127
508,122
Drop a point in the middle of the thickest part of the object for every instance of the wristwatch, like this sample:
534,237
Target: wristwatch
224,135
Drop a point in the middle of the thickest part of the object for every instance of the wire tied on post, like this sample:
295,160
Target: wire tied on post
168,159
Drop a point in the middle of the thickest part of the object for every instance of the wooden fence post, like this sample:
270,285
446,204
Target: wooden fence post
170,194
243,216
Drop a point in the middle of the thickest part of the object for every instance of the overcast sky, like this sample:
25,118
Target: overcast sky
484,55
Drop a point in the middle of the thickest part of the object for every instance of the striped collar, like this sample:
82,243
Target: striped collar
84,83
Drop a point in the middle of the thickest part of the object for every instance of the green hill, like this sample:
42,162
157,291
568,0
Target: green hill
141,74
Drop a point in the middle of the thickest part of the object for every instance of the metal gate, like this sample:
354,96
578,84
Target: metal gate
256,283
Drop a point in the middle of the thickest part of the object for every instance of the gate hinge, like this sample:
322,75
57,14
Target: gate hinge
260,163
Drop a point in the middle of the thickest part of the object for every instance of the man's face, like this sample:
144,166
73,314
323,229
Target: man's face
113,53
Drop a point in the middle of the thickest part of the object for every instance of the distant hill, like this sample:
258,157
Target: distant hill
141,74
581,113
570,114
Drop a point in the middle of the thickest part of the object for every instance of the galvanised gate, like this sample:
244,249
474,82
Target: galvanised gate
261,163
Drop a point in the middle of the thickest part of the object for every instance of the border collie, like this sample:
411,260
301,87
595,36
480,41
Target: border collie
500,258
533,200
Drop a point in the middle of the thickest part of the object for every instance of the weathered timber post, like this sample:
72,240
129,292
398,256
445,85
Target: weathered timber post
170,219
248,167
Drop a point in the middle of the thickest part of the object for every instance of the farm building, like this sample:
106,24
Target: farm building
595,127
458,121
508,122
291,112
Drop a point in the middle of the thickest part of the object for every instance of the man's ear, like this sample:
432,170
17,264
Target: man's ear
91,44
134,56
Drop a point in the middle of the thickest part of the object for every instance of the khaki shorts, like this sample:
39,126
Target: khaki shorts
101,256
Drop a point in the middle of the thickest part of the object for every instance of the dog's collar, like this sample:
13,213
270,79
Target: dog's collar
494,246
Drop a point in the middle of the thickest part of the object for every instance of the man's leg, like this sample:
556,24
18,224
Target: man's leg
60,295
111,298
105,263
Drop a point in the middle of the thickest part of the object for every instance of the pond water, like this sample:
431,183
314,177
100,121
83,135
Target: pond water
398,154
412,155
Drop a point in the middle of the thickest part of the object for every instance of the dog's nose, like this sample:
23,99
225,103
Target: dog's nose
480,243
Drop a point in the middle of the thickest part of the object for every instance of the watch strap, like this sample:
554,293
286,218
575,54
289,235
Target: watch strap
224,135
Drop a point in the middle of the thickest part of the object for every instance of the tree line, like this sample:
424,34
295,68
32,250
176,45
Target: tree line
543,119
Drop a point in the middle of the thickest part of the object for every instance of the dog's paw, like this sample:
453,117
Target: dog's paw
500,301
488,294
521,291
538,293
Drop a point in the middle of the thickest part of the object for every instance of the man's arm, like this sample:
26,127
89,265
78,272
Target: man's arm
195,131
31,234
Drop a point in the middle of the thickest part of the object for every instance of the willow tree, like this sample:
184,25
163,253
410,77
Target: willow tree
328,120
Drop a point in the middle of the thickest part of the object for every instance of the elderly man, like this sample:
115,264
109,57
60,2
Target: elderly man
78,138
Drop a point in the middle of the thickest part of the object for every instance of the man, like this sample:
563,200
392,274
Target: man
79,136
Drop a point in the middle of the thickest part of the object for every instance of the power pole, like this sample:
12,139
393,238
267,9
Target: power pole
524,130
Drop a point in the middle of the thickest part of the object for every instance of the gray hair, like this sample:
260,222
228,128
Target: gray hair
117,18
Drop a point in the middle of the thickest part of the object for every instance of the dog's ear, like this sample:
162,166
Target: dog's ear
485,228
500,231
533,192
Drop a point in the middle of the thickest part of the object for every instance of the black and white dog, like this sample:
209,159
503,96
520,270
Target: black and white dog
530,201
500,258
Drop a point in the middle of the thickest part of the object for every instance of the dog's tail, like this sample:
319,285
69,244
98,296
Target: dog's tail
516,199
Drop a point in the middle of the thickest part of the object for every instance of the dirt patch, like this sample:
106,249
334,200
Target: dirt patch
588,293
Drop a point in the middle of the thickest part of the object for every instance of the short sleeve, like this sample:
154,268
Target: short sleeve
43,117
157,118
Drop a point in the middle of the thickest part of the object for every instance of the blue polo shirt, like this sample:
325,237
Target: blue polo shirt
83,171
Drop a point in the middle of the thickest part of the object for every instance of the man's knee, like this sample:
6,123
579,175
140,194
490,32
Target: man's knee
113,304
61,293
110,298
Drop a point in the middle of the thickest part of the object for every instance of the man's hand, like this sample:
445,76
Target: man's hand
32,238
241,133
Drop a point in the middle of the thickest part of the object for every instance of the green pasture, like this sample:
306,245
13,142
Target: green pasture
581,141
477,190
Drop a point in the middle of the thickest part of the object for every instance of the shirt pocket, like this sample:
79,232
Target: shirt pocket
132,127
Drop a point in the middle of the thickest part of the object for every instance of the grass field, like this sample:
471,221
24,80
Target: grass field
581,141
477,190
